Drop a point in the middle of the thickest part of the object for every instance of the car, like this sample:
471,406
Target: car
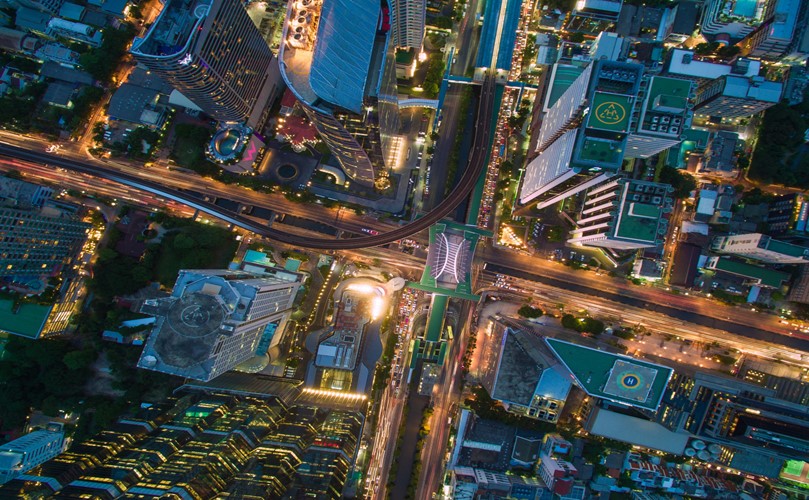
370,231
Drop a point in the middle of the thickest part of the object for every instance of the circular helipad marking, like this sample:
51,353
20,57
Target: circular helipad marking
610,112
630,380
194,316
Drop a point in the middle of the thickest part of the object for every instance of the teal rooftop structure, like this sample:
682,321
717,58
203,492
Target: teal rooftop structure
754,275
624,214
613,377
25,320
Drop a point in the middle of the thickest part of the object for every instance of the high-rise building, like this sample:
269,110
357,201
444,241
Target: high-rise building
761,247
37,237
730,22
213,320
608,113
25,453
211,52
210,445
523,374
338,60
788,212
774,36
732,96
624,214
408,23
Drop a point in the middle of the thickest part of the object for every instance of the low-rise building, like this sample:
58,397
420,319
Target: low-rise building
720,156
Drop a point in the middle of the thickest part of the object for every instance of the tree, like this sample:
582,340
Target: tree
527,311
102,61
79,360
683,184
441,22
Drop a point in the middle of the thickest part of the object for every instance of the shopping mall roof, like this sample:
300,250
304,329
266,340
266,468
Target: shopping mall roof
614,377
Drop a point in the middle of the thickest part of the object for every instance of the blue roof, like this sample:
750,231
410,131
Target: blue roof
488,36
509,35
345,43
488,33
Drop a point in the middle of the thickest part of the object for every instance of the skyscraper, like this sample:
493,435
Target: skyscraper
212,53
36,238
609,112
338,59
213,321
408,23
732,96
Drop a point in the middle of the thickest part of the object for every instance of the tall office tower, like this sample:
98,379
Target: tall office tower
774,36
206,445
338,60
212,53
213,321
408,23
730,22
624,214
608,113
36,237
733,96
761,247
26,452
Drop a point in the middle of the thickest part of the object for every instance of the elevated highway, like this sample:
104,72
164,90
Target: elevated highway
477,163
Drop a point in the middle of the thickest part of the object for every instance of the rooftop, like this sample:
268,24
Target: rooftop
614,377
683,62
129,102
753,88
563,77
785,248
762,275
610,112
666,106
174,28
27,320
525,368
642,208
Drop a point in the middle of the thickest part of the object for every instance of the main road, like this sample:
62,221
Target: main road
477,163
693,309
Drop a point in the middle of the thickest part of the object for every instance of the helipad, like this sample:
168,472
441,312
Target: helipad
611,376
610,112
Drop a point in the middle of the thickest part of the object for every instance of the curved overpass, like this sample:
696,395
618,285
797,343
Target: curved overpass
476,165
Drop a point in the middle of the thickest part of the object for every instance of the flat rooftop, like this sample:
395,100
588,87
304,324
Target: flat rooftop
785,248
614,377
26,321
764,276
610,112
563,77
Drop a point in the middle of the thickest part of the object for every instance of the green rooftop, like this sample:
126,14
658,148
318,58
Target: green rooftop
669,93
610,152
27,321
610,112
611,376
764,277
405,57
785,248
564,76
639,221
